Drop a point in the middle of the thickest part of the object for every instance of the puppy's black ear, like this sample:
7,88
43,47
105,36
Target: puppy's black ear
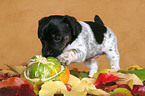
39,28
73,24
98,20
41,24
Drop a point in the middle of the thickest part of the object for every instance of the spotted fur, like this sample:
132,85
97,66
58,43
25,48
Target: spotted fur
85,48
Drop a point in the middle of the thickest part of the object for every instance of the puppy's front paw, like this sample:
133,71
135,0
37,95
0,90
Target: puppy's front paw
115,68
64,58
63,61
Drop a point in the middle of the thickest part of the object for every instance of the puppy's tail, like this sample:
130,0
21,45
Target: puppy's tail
98,20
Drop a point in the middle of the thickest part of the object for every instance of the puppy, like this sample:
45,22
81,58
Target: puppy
76,41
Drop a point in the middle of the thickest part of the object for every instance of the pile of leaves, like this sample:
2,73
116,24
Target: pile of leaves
105,82
12,85
121,83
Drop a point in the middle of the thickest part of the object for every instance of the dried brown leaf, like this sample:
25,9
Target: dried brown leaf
124,78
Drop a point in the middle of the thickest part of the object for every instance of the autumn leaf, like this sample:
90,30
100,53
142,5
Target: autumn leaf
105,78
25,90
13,70
130,83
79,74
91,80
137,89
103,71
8,91
14,81
53,87
87,84
78,88
4,76
68,87
139,73
73,79
111,88
134,67
18,69
83,85
100,86
124,78
121,92
4,71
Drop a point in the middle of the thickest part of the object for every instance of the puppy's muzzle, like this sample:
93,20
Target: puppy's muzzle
47,53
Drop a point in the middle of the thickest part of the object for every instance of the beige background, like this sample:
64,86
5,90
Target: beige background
19,22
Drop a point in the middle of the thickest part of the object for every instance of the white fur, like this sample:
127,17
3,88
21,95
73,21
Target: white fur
86,49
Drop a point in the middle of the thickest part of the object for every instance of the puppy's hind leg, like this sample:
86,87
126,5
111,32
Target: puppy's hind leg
113,57
92,64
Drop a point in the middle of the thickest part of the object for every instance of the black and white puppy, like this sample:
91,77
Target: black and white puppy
76,41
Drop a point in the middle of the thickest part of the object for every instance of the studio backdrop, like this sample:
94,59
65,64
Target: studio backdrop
19,26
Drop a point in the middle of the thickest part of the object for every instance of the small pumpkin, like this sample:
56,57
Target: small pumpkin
45,69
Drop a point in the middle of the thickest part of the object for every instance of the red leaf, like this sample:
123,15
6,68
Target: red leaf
7,75
16,75
124,86
25,90
14,81
4,76
8,91
141,94
68,87
105,78
100,86
138,89
110,88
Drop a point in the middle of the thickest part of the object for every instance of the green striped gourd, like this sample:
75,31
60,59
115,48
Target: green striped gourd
41,68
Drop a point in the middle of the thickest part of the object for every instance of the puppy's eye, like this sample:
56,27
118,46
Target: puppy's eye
57,38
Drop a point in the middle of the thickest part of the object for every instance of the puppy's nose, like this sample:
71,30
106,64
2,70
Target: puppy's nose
50,53
46,55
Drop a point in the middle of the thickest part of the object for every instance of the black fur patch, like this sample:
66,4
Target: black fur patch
98,30
98,20
56,32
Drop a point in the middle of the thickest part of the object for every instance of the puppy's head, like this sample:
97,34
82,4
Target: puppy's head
56,32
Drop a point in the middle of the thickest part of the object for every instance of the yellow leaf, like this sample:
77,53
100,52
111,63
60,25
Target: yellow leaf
77,93
79,88
91,80
130,83
83,85
73,79
53,87
86,84
98,92
134,67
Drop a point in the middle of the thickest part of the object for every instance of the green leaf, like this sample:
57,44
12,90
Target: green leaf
103,71
121,92
37,86
139,73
